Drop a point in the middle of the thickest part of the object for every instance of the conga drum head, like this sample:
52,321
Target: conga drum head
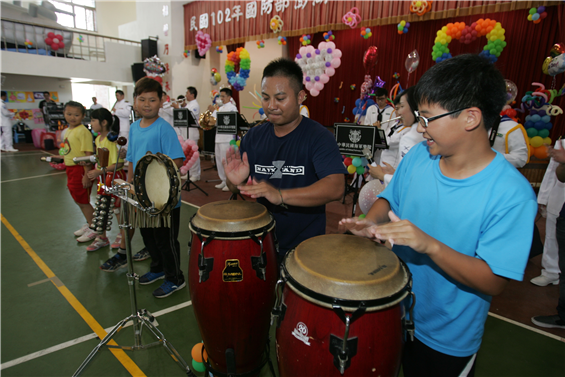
157,183
347,271
231,219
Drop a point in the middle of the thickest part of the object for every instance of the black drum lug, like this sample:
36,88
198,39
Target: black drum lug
342,356
408,323
205,266
279,309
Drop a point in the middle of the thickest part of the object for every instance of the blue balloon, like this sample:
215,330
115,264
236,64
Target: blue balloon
529,124
261,111
539,125
547,126
535,118
528,117
545,118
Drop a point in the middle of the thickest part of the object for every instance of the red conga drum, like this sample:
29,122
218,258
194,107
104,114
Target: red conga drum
232,275
341,311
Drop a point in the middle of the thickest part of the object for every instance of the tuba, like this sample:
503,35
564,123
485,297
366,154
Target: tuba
204,120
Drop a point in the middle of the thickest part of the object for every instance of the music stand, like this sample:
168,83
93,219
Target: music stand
139,317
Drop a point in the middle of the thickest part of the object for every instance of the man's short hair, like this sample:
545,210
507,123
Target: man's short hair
227,91
146,85
47,93
193,91
3,94
380,92
120,92
462,82
77,105
285,68
181,97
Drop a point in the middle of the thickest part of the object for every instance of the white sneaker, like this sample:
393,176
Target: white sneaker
195,178
81,231
221,185
88,235
542,281
184,176
226,188
10,150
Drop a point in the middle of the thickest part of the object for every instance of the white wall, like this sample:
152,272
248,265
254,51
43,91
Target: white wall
111,14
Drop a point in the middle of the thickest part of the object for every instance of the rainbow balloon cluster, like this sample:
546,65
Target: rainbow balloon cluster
199,356
366,33
329,36
238,59
355,164
282,40
490,28
219,49
403,27
305,40
261,44
536,15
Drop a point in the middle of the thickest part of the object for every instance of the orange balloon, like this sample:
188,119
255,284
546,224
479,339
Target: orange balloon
541,152
205,356
197,352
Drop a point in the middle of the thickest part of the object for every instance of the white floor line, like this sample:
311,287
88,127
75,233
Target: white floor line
84,338
36,176
534,329
23,154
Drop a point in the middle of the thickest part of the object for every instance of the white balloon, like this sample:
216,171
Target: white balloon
368,194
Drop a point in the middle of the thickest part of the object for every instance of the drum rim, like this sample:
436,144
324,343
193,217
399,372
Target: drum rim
242,234
372,304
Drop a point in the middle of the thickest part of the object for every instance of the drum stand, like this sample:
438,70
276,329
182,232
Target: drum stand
353,187
139,317
187,184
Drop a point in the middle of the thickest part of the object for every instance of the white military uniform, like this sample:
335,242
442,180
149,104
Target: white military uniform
371,117
194,134
166,112
122,110
222,141
6,140
511,142
407,141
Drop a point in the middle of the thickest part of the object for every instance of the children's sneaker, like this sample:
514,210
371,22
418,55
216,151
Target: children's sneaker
117,242
115,263
88,235
549,321
98,243
167,289
81,231
151,277
142,254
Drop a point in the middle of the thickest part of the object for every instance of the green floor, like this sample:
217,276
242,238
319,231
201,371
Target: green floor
37,317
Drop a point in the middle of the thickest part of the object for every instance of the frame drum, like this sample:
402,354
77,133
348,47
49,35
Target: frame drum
232,275
341,310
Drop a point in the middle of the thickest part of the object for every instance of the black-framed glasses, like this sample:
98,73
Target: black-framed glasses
425,121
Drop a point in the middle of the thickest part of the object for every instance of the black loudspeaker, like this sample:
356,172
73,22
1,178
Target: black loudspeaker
137,71
148,48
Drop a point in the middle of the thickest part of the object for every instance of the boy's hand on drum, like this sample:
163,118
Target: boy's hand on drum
357,226
403,232
236,167
260,189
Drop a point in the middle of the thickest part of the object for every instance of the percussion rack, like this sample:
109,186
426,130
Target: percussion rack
139,317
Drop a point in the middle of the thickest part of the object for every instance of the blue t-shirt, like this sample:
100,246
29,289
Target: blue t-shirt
489,216
158,137
299,159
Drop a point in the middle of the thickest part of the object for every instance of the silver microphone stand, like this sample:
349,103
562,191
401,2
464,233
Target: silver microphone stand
139,317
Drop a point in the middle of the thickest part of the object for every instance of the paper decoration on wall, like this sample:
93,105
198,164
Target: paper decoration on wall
203,42
166,50
421,7
276,24
536,15
318,65
282,40
238,59
352,18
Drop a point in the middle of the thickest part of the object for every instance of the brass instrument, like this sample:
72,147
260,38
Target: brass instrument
204,120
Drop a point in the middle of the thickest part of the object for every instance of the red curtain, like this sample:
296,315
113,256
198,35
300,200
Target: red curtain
527,46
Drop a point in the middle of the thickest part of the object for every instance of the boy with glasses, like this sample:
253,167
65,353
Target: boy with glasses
457,213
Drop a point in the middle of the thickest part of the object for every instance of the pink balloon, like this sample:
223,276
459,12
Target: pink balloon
302,51
314,92
318,86
59,37
336,63
51,35
48,40
330,45
330,71
55,46
324,79
310,48
61,45
336,53
309,85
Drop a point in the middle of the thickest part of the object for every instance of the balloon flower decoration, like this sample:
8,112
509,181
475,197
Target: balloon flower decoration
328,37
203,42
366,33
537,123
536,15
190,149
215,77
355,164
238,60
403,27
199,356
276,24
186,53
154,68
421,7
80,38
282,41
554,64
352,18
219,49
28,43
490,29
305,40
261,44
318,65
55,41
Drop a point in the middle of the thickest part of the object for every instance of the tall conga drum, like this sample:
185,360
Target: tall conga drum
232,275
340,312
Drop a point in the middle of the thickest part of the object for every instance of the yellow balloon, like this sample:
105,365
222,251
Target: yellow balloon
352,169
546,64
238,143
403,23
536,141
547,141
529,17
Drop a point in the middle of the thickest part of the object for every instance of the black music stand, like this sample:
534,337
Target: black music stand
186,185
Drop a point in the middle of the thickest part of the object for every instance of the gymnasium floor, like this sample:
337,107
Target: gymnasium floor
55,300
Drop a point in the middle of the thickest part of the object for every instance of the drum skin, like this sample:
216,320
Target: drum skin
379,347
235,314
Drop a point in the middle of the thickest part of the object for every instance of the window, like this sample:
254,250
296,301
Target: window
78,14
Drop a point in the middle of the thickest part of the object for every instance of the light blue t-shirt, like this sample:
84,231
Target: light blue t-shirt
489,216
158,137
